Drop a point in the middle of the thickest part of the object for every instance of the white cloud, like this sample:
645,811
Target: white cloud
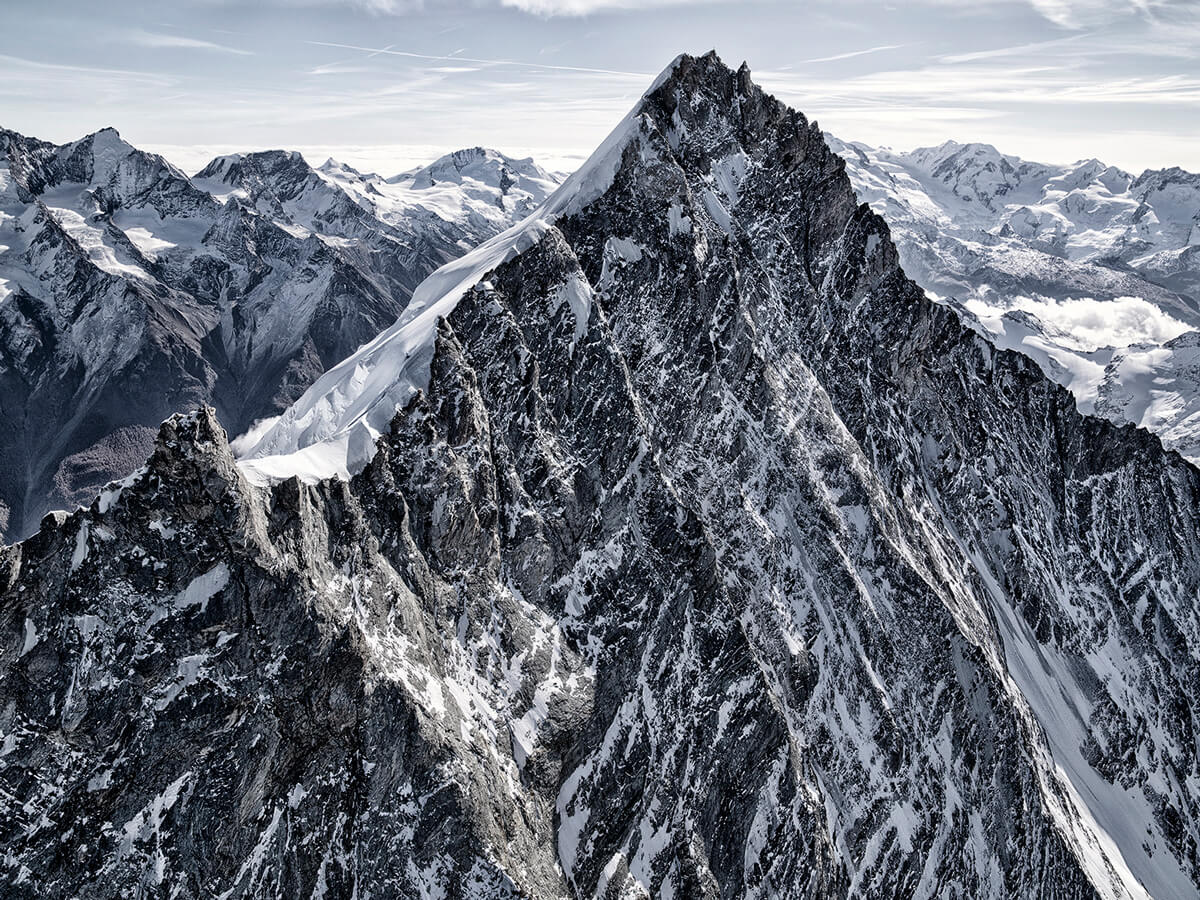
1085,324
179,42
338,69
1120,322
1083,13
585,7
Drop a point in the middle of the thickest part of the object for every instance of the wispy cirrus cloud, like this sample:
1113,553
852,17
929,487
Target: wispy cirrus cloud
854,53
157,40
13,66
455,58
1082,13
22,79
995,83
1011,50
338,69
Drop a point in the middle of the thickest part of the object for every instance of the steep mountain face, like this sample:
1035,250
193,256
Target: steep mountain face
129,291
1085,268
701,555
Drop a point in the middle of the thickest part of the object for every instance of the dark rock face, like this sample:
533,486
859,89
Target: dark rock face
715,561
128,293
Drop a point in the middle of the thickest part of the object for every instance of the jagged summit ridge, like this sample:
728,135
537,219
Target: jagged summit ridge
333,429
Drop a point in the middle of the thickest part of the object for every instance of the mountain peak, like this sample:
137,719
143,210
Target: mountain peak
699,121
703,554
480,169
970,153
687,70
337,167
242,169
712,245
104,147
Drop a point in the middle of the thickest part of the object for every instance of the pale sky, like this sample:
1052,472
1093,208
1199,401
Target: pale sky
385,84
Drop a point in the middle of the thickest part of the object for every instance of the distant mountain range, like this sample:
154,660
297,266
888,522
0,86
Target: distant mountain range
129,291
1091,271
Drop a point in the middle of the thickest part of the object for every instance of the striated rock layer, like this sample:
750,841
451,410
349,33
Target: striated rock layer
708,558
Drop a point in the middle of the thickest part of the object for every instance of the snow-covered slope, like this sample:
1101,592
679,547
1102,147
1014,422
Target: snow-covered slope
1085,268
495,186
129,291
332,430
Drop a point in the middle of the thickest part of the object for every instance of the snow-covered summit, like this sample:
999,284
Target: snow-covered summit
485,166
333,429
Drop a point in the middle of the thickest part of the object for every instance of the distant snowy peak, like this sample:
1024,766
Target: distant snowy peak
476,192
981,164
108,168
975,172
97,157
1090,271
338,169
1173,196
1085,211
278,183
1087,193
952,156
485,166
483,176
252,170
